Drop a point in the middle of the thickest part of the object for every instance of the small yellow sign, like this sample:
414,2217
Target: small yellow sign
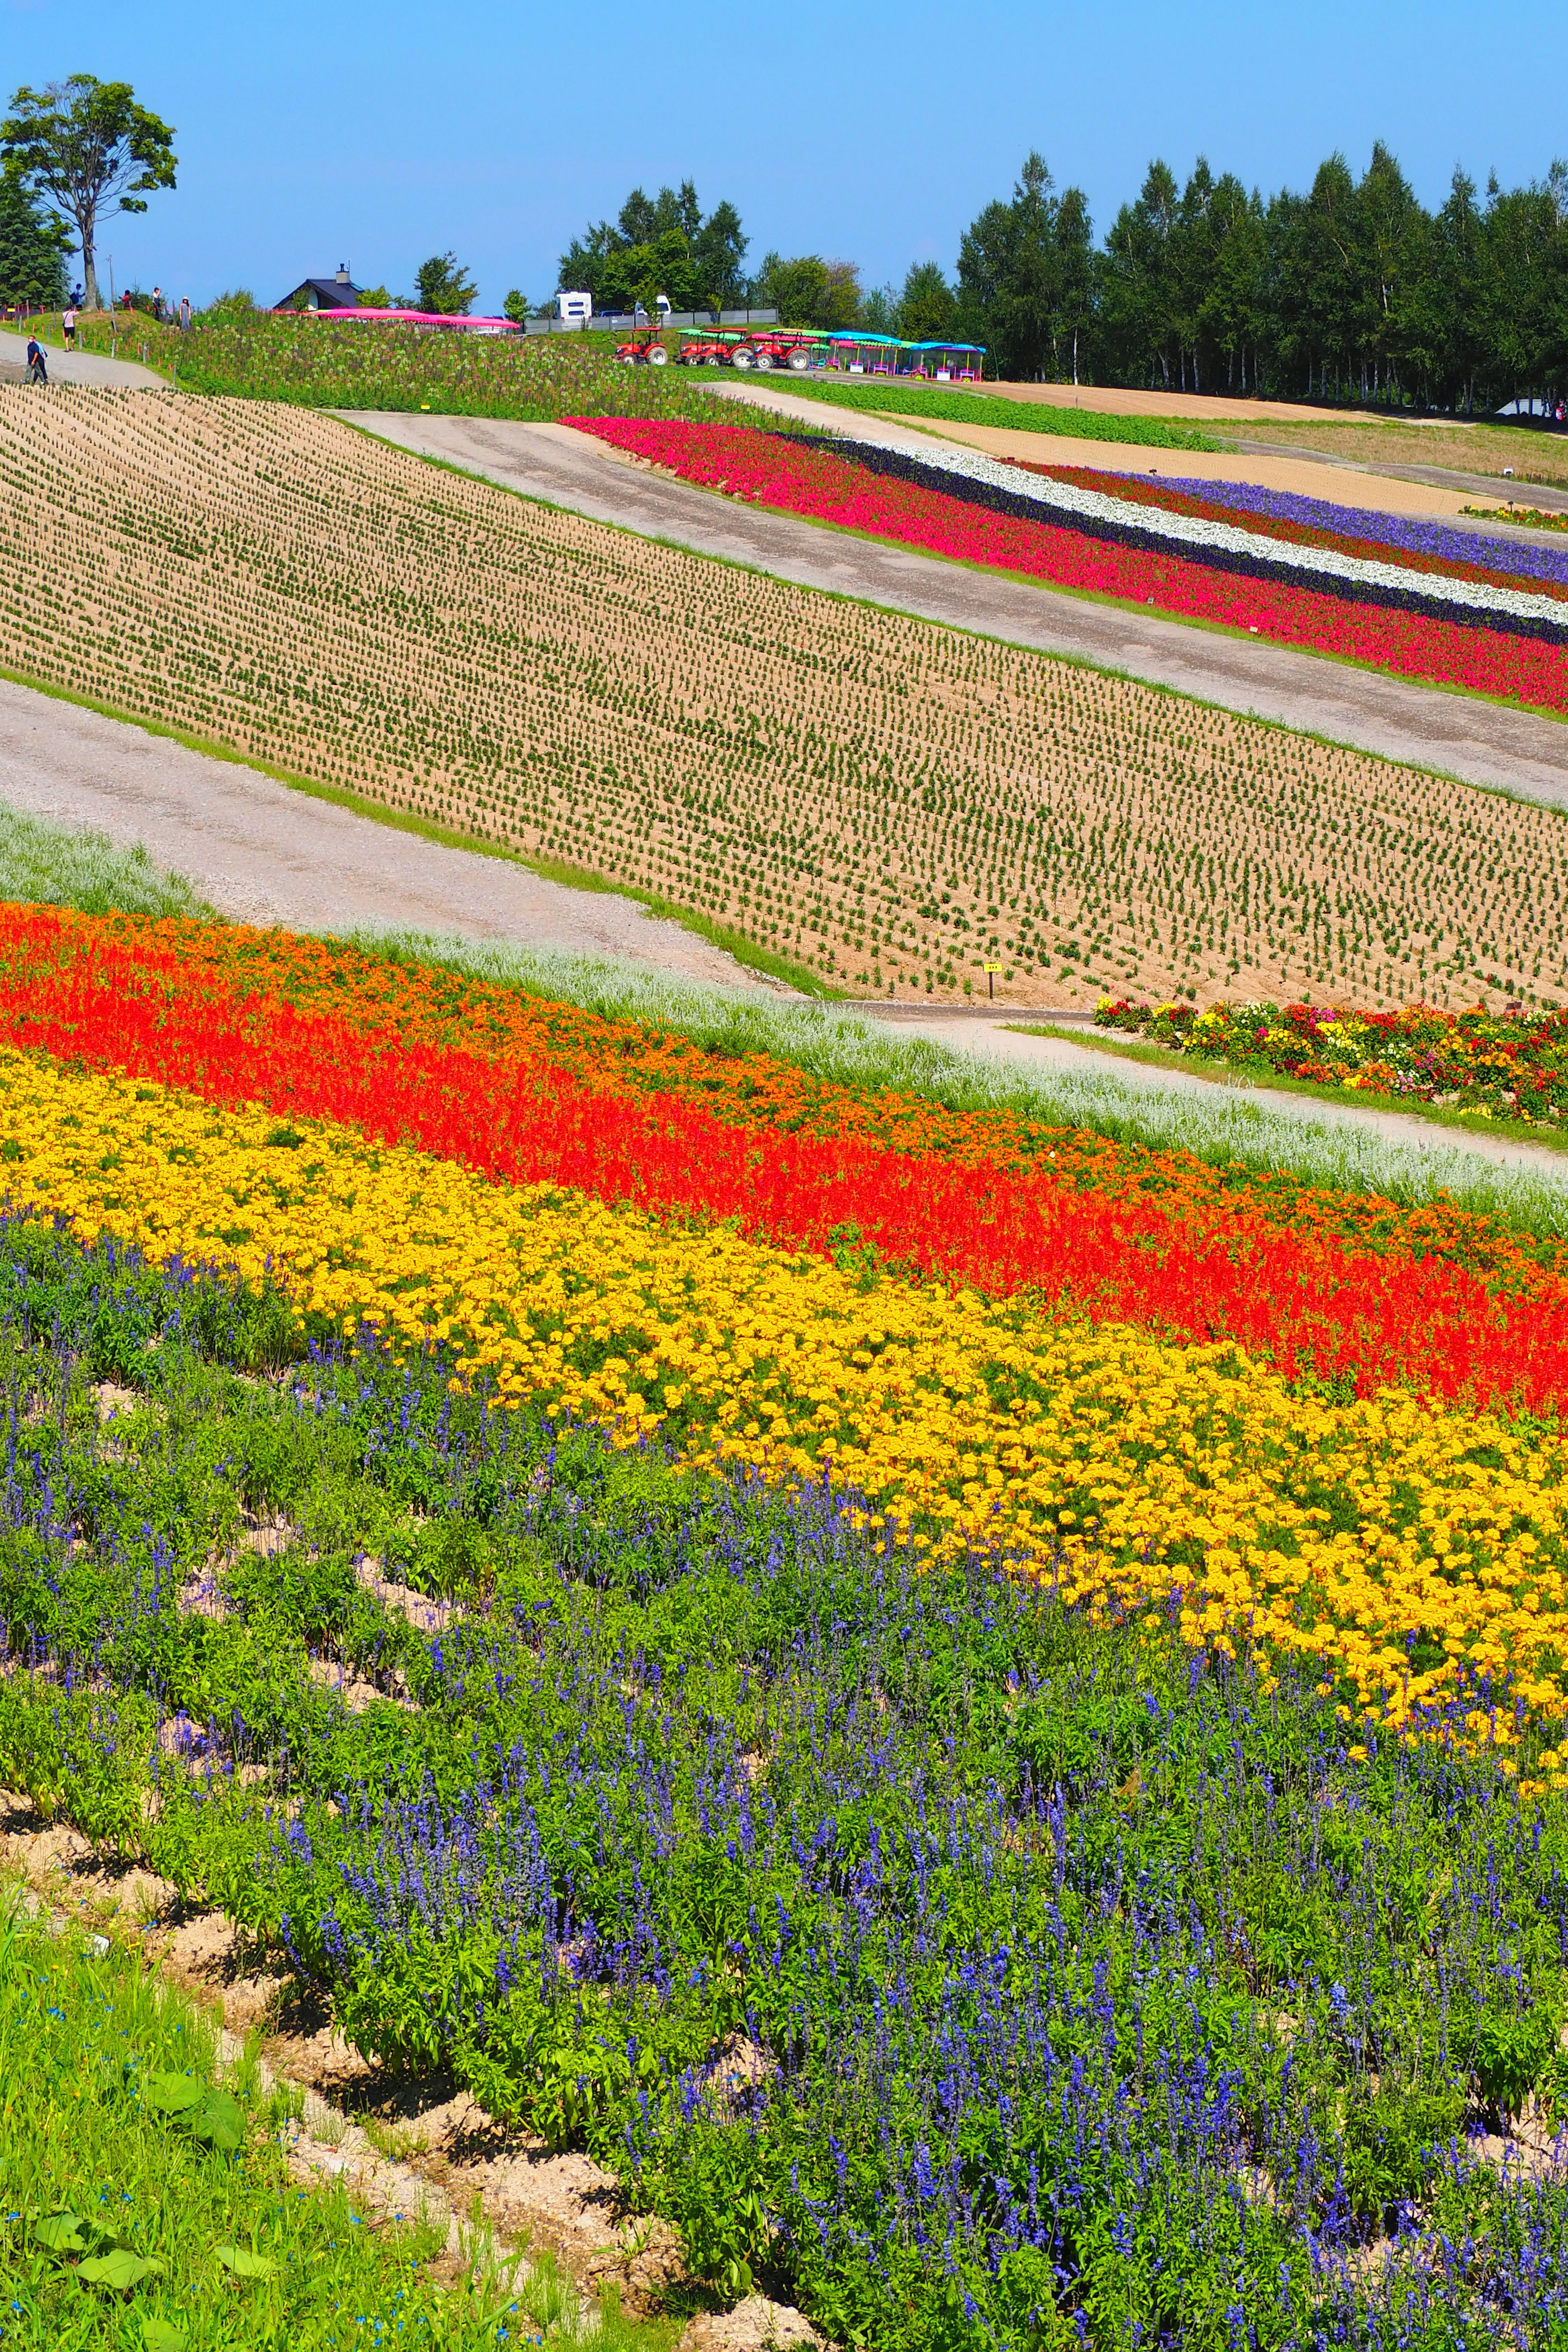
993,967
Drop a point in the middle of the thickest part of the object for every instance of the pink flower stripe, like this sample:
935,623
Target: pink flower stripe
804,478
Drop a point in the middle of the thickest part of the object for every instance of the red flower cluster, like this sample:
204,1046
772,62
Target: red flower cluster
1307,1301
802,477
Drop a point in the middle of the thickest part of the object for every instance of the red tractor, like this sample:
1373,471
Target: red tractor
781,347
643,350
705,348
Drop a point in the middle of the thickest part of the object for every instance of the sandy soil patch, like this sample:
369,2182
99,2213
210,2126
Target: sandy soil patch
1302,477
1201,407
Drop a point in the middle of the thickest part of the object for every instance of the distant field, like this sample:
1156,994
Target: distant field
356,363
1474,449
892,805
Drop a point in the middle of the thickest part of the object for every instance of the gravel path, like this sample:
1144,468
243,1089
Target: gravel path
264,853
1480,742
80,367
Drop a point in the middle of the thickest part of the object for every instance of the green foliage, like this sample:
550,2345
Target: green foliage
695,260
442,285
148,2206
33,247
87,145
892,397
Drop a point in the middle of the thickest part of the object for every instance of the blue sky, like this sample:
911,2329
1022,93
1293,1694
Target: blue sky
860,129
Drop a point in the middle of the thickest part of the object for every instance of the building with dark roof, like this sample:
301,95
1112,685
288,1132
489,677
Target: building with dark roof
339,293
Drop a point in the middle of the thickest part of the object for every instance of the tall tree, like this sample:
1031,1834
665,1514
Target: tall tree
925,304
1141,293
696,259
1020,274
86,145
33,247
442,285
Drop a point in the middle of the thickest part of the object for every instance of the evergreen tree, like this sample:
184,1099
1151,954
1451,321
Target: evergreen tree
33,248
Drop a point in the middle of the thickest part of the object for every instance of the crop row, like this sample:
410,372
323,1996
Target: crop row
1496,639
896,805
971,1969
534,1042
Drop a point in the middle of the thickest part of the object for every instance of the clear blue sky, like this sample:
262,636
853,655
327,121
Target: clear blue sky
377,131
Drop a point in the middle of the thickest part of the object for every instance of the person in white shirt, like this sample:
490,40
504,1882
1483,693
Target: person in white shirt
67,324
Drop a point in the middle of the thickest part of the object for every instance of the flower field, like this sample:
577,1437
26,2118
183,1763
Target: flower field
1489,634
953,1630
1510,1066
887,805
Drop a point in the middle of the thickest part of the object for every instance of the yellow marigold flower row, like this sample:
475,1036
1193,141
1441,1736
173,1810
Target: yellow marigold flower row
1131,1470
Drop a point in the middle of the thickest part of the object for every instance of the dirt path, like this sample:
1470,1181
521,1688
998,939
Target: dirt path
1481,743
264,853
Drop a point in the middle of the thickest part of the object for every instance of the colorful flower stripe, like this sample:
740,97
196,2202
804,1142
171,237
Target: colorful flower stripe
1462,555
1508,1067
830,487
1413,536
181,962
1414,1555
1308,1304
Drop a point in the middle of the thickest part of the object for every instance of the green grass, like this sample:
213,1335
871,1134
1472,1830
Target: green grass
882,396
145,2202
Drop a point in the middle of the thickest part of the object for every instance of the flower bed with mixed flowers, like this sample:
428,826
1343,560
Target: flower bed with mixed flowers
1512,1064
1489,633
891,1674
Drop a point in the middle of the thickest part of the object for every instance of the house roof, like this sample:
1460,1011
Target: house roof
331,293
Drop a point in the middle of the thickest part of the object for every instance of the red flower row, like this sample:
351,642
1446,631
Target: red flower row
801,477
1310,1304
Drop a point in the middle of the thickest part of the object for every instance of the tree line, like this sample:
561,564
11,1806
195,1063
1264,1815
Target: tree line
1353,291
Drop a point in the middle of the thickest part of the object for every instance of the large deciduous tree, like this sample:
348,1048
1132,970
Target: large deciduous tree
694,260
87,147
442,286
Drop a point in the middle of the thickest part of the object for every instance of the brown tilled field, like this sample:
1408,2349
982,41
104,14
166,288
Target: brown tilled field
893,803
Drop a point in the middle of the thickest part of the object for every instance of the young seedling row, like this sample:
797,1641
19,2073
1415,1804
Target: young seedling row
893,805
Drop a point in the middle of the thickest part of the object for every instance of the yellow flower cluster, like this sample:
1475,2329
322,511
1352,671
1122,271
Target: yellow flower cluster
1387,1541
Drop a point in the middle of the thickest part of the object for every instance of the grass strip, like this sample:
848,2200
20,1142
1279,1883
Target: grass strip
883,397
146,2199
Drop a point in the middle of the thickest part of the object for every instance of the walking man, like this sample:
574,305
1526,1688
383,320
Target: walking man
67,326
36,370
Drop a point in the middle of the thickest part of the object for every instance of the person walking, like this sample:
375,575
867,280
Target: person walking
185,314
67,326
158,304
36,370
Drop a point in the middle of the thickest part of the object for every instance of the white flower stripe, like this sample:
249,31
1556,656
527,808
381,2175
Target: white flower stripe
1157,526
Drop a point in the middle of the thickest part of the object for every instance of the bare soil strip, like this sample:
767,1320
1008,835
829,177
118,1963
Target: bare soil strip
1480,742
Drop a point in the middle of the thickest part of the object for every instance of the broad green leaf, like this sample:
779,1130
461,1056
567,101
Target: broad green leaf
61,2233
242,2263
171,2095
118,2271
220,2122
160,2334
